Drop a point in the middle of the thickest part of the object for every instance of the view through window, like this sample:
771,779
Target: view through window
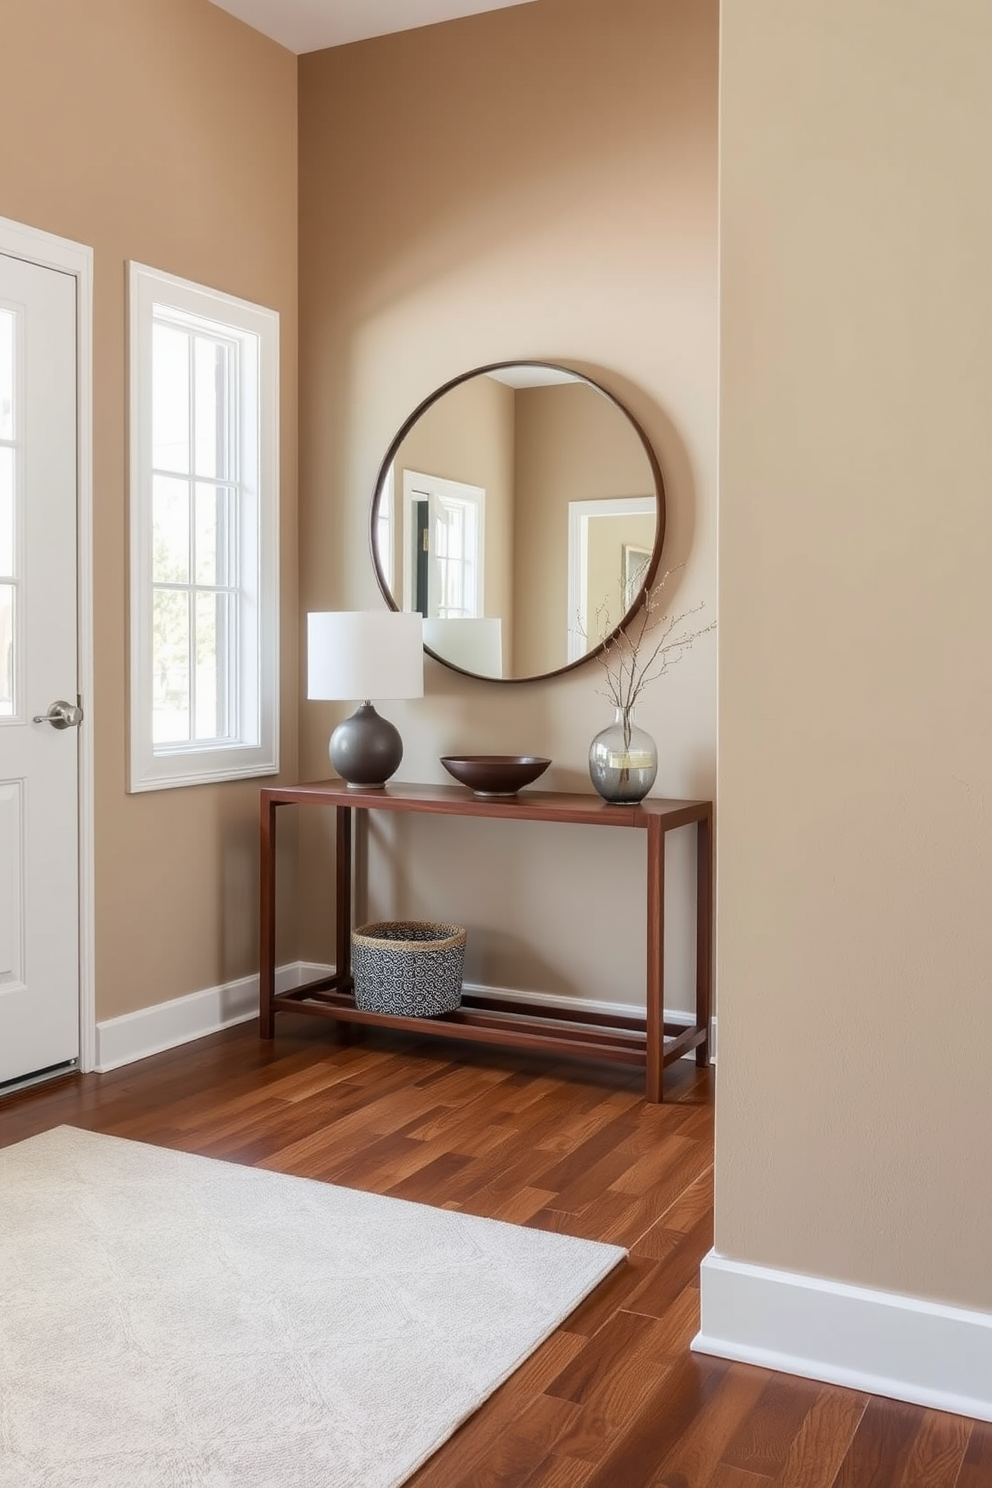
196,500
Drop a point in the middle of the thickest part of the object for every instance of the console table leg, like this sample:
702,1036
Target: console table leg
655,991
704,934
342,897
267,919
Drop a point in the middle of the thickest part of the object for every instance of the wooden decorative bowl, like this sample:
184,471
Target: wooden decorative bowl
495,774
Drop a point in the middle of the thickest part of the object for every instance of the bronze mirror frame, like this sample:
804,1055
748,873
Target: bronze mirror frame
650,570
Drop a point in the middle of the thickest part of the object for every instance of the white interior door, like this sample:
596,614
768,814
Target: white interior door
39,808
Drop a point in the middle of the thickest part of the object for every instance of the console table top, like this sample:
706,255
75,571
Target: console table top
456,800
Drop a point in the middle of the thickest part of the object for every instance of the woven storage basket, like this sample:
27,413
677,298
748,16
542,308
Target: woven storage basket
408,968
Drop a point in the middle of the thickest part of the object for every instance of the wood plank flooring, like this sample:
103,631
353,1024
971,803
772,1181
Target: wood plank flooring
614,1399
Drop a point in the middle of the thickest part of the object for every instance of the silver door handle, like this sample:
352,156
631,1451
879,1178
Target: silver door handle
61,715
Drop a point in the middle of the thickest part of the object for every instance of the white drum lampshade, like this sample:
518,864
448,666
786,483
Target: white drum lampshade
361,655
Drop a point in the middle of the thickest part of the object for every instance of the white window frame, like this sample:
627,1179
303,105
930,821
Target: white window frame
438,492
254,749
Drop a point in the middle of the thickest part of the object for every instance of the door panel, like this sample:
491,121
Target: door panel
39,873
11,885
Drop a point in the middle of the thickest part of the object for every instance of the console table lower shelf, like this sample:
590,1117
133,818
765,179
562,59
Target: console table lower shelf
648,1043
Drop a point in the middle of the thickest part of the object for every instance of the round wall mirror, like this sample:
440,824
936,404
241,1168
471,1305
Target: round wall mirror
521,510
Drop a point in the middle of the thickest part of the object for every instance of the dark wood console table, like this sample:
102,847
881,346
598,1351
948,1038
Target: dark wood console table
648,1042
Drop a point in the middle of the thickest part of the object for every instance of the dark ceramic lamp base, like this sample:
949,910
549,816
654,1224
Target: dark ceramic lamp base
365,749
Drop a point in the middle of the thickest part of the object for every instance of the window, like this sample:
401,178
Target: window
204,534
443,560
455,553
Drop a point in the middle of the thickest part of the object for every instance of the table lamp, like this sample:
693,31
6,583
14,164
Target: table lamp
365,654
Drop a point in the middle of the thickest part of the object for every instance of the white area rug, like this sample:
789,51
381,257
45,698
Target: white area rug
169,1321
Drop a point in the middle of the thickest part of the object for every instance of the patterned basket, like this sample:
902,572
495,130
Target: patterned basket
408,968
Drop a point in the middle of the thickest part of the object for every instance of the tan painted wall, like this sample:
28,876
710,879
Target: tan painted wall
855,858
538,182
161,131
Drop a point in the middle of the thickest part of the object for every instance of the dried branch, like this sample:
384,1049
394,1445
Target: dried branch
644,649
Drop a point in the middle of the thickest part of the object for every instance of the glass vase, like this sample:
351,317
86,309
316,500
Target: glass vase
623,760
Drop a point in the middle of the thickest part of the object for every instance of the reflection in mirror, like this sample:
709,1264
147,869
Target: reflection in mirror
609,551
516,508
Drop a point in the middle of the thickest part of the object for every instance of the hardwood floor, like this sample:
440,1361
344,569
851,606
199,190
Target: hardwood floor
614,1399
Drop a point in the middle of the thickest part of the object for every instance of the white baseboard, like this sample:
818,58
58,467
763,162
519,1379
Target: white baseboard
554,1004
166,1025
905,1348
152,1030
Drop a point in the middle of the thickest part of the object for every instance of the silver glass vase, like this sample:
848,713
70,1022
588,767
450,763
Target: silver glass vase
623,761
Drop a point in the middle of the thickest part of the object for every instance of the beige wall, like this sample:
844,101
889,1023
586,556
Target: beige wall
538,182
855,939
161,131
